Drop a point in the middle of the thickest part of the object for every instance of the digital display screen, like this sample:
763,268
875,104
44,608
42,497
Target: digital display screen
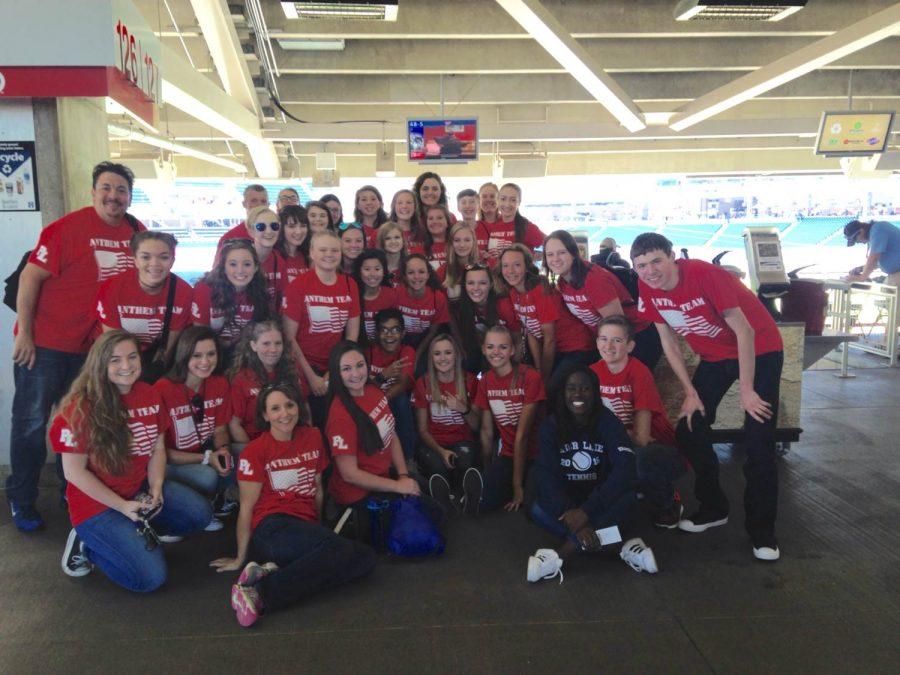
442,140
850,133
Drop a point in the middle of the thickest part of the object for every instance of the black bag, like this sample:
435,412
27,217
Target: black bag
627,276
11,289
153,360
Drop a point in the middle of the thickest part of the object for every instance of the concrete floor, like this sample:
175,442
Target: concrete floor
830,605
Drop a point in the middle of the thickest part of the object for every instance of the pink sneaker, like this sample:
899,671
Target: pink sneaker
253,573
247,604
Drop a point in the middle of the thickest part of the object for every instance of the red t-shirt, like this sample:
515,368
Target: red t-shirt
321,312
380,359
506,314
387,298
244,390
147,419
79,251
419,314
184,433
534,309
694,309
274,269
631,390
340,432
506,404
204,314
497,236
239,231
122,303
287,471
599,289
294,266
438,254
446,426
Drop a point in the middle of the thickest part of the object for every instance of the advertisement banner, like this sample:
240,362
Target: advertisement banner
18,183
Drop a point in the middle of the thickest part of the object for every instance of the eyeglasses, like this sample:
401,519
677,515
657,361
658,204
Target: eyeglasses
391,330
343,227
261,227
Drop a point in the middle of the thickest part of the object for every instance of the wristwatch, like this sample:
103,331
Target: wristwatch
206,456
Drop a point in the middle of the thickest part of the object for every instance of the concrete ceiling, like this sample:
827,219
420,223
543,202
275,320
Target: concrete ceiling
470,57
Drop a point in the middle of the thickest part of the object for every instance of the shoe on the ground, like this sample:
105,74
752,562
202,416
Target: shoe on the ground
74,560
440,491
765,547
670,517
473,486
26,518
702,521
224,506
253,572
214,525
544,564
638,556
170,538
247,604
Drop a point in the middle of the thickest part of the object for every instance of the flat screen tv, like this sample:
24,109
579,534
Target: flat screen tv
442,140
854,134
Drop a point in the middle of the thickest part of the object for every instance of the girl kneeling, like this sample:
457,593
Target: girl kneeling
280,478
110,433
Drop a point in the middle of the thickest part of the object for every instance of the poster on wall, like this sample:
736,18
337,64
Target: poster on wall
18,182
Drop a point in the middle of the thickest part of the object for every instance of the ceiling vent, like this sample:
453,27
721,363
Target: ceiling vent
342,10
737,10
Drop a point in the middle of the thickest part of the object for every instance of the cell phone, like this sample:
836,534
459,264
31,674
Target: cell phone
225,461
609,535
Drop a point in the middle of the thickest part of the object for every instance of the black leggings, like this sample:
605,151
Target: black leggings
431,462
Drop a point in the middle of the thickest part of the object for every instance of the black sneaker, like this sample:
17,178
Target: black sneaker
440,491
473,486
223,506
74,561
702,520
765,547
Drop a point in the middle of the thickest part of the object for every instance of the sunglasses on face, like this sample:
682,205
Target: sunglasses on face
261,227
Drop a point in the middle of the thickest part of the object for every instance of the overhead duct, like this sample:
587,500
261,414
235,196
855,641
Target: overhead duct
352,10
737,10
326,161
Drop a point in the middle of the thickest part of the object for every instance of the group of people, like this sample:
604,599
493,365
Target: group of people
326,364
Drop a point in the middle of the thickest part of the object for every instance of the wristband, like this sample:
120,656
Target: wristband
206,456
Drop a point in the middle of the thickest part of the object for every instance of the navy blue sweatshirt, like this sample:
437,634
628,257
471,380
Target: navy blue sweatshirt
591,472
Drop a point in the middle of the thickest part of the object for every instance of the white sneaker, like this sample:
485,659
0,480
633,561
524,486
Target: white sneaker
170,538
544,564
214,525
638,556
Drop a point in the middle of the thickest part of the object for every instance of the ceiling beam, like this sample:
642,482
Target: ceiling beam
559,44
199,97
827,50
225,48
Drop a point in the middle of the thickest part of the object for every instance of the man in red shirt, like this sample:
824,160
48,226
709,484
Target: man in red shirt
56,321
254,195
736,339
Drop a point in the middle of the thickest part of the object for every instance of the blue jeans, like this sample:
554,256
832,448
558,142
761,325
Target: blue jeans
405,424
113,544
619,514
200,477
310,559
37,391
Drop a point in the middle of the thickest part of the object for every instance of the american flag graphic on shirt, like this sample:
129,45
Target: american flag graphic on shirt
146,330
621,408
143,436
325,319
585,315
506,412
189,434
441,415
111,263
683,324
297,479
386,428
527,316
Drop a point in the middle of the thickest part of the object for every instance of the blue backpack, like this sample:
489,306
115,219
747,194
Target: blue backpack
412,533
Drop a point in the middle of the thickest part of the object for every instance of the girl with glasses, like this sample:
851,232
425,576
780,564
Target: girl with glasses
265,227
110,433
293,241
280,480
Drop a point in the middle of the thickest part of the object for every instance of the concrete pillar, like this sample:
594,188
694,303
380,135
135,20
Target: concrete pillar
70,138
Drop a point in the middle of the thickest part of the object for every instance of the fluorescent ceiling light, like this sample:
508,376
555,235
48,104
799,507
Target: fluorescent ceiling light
126,134
858,36
559,44
737,10
311,45
366,10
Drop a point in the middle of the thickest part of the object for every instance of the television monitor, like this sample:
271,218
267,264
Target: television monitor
853,134
442,140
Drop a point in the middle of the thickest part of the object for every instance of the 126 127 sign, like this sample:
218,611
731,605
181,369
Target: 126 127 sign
136,64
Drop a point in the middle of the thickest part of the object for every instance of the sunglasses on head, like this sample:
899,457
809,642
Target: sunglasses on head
261,227
348,226
197,408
